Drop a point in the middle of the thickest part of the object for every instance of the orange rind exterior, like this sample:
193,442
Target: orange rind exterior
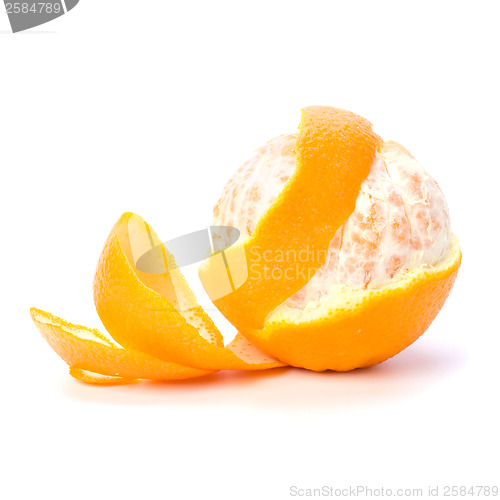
88,349
98,379
362,328
156,313
335,149
150,316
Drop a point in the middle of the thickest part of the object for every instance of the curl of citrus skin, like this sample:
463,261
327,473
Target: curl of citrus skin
98,379
362,328
335,149
157,313
88,351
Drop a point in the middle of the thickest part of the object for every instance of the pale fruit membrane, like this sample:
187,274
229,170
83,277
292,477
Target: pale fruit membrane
400,223
255,185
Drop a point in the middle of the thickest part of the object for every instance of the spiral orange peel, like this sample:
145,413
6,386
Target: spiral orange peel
160,332
88,350
335,149
98,379
157,313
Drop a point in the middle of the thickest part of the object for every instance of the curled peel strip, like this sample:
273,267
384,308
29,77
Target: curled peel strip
98,379
87,349
157,313
161,332
335,149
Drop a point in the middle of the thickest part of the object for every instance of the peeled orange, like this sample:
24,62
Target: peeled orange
366,223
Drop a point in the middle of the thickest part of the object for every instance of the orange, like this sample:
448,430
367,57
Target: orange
345,257
388,262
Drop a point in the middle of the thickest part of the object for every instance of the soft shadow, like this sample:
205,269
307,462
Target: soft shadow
409,373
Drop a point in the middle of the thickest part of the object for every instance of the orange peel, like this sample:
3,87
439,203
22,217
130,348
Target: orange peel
161,333
87,349
98,379
360,328
335,149
157,313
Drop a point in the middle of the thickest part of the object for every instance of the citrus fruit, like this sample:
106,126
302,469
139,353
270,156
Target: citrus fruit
379,259
345,257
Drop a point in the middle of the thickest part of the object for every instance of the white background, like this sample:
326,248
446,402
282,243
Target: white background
149,107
